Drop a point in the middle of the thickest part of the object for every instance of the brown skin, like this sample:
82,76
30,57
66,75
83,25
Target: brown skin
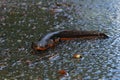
51,39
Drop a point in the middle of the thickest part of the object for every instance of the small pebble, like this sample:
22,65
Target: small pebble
19,41
62,72
77,56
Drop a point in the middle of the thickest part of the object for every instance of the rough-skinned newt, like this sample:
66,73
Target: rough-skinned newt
52,38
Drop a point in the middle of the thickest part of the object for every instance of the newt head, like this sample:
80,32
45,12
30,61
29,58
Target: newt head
36,47
42,45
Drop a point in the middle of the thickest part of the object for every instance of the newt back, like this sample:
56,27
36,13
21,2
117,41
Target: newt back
70,34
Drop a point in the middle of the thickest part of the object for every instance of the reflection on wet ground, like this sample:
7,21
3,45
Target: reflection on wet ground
23,22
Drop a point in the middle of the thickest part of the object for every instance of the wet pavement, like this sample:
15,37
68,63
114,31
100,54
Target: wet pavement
22,22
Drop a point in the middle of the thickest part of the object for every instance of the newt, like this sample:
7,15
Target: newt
52,38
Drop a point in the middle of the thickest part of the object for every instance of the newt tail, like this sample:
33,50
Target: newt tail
51,39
